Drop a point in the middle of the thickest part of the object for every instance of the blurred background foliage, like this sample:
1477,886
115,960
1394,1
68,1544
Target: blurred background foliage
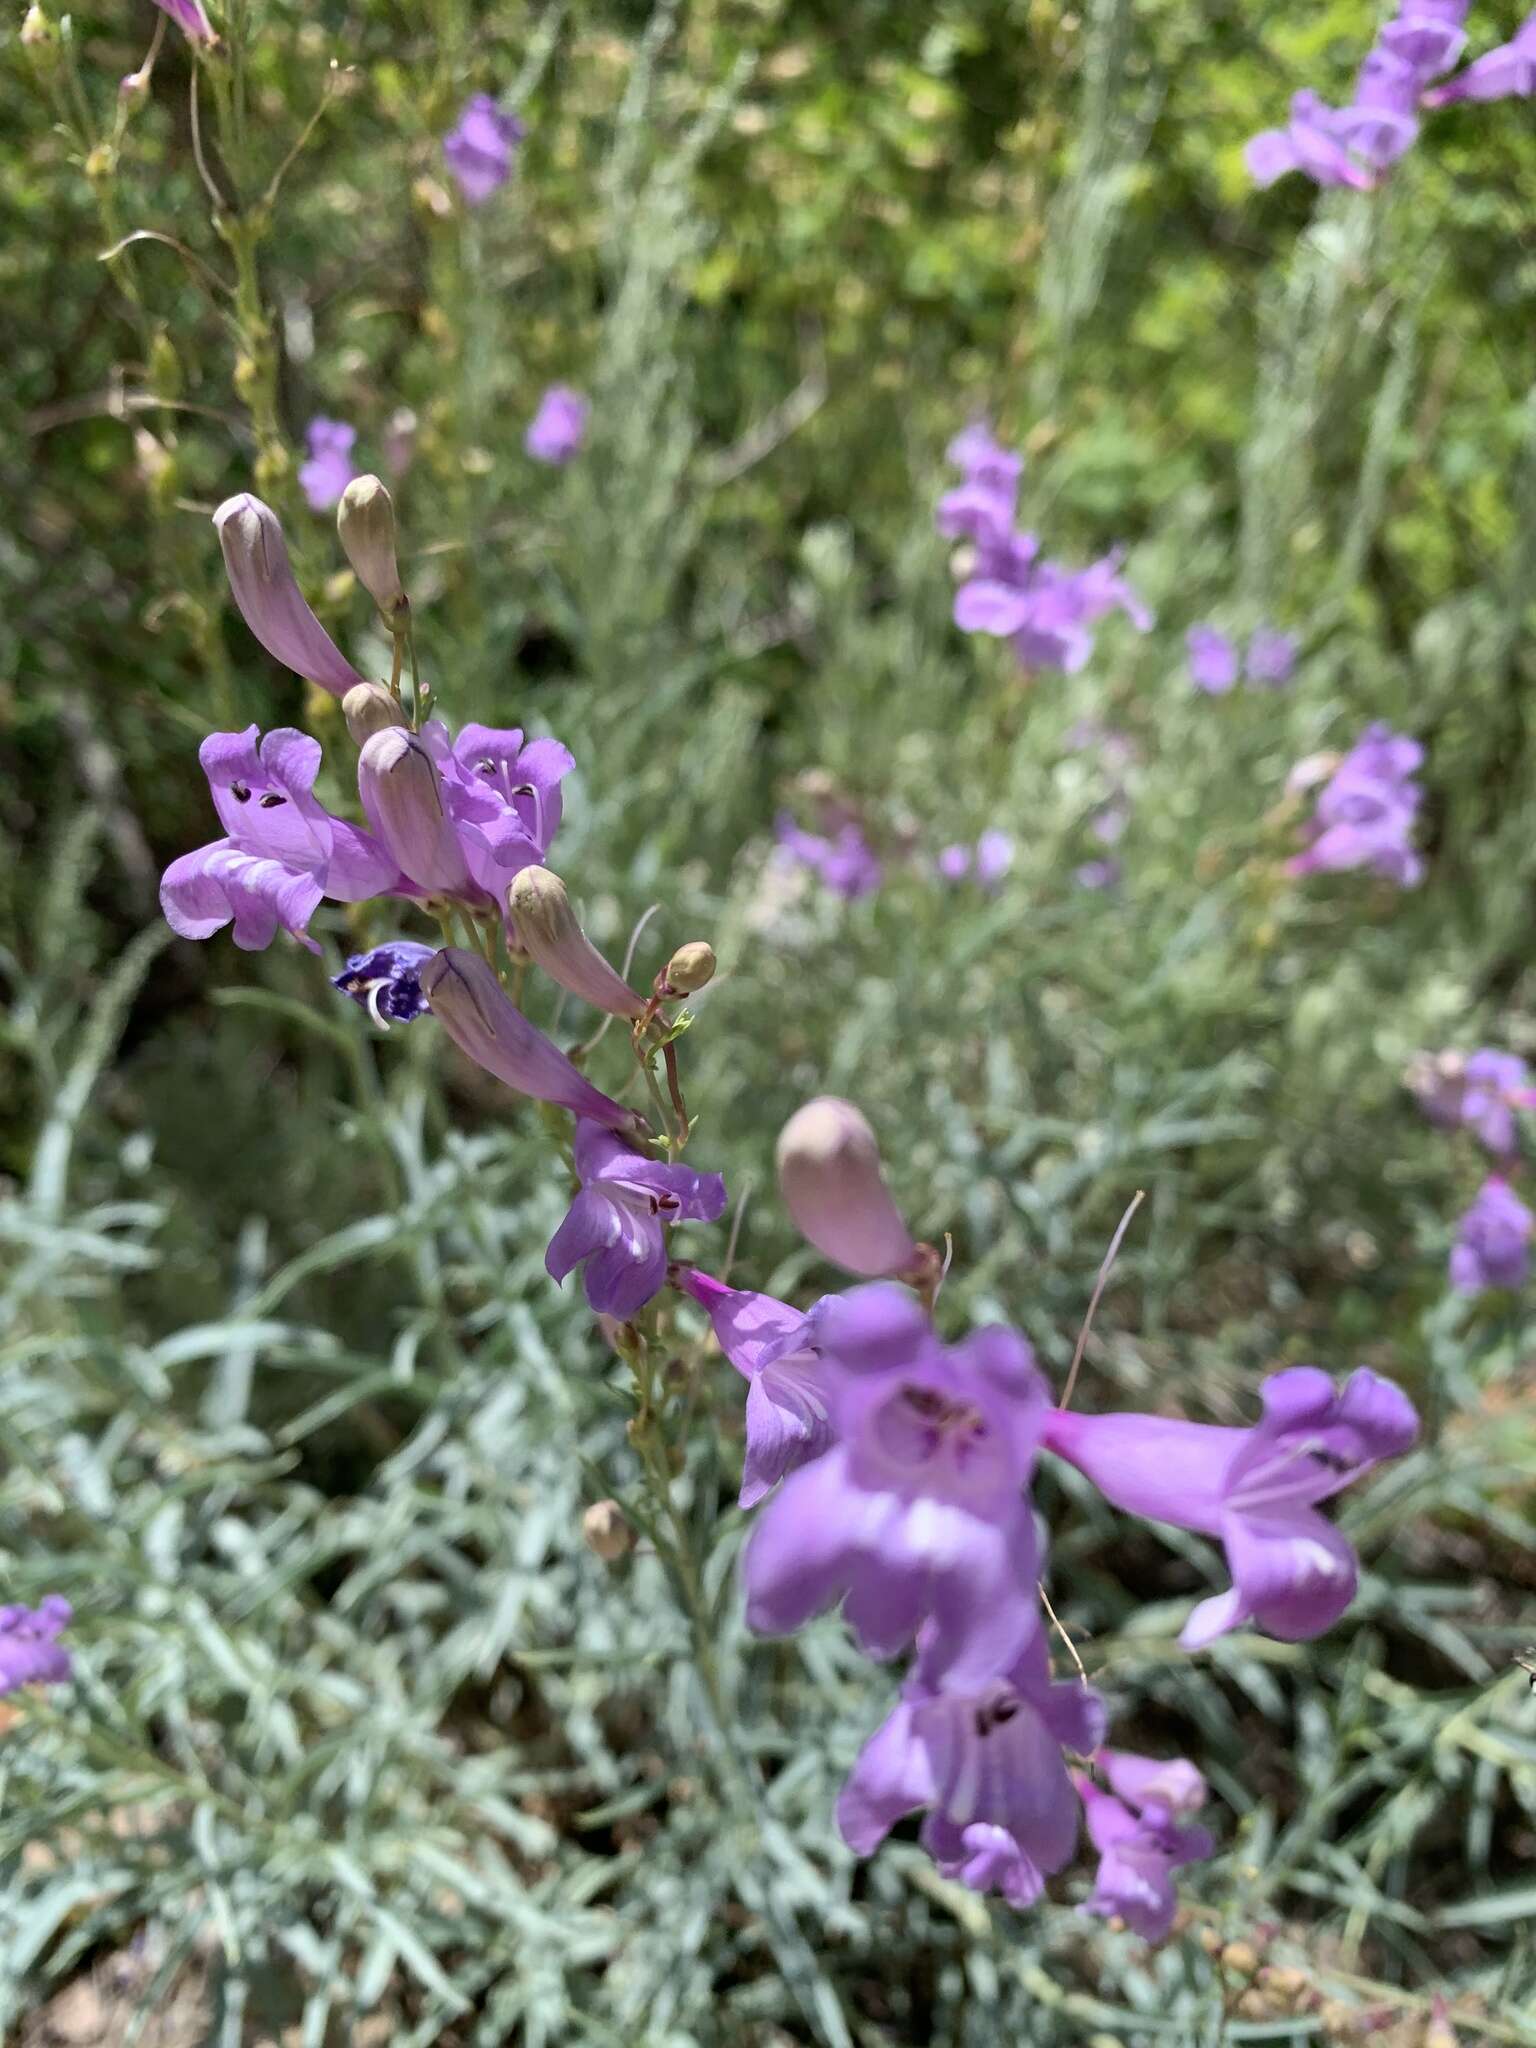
363,1737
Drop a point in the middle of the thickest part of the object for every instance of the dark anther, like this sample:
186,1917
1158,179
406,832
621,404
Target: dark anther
239,792
271,801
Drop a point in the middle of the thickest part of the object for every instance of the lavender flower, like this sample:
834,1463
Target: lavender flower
984,1759
387,982
1507,72
469,1002
833,1186
330,468
30,1651
847,864
1139,1829
558,428
1493,1240
918,1511
616,1224
1212,660
190,17
1257,1489
282,853
1271,657
774,1348
482,148
1364,817
264,586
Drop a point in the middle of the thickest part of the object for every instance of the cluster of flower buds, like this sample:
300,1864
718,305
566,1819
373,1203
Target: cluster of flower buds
1480,1093
891,1470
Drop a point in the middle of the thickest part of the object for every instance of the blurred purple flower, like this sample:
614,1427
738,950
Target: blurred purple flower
988,863
1364,816
283,852
1381,121
482,148
1139,1827
1108,823
1427,35
559,427
615,1227
1312,141
190,18
1507,72
330,467
1493,1240
1257,1489
1212,660
30,1651
1099,874
773,1347
984,1760
919,1510
1480,1091
387,982
1271,657
847,864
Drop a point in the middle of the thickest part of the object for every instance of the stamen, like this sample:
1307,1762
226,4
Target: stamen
239,792
375,991
271,801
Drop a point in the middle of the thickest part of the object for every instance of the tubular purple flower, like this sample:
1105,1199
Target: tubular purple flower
465,997
503,795
282,853
1381,121
918,1512
615,1229
847,864
1507,72
1427,35
986,1762
190,18
1493,1240
387,982
1212,660
834,1189
773,1347
1140,1829
481,149
1312,142
1271,657
267,592
1257,1489
325,476
1365,815
30,1650
558,427
548,932
403,798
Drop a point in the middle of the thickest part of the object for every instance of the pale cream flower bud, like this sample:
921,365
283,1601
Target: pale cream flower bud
548,933
691,967
365,521
605,1532
369,708
833,1186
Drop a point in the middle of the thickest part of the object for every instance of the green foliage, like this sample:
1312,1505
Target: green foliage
288,1407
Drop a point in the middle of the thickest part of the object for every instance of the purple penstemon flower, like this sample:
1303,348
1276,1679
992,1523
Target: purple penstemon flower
502,793
986,864
482,148
558,428
1506,72
918,1511
774,1348
983,1759
1047,612
1257,1489
1365,814
1143,1834
266,590
616,1226
387,981
1312,141
1493,1240
1381,121
282,853
190,17
465,996
1427,35
1213,660
846,862
30,1650
330,467
1271,657
1479,1092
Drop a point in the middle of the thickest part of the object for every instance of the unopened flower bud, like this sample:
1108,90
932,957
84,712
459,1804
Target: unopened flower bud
691,967
398,783
271,603
365,521
369,708
133,88
605,1532
39,37
833,1186
465,997
549,934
